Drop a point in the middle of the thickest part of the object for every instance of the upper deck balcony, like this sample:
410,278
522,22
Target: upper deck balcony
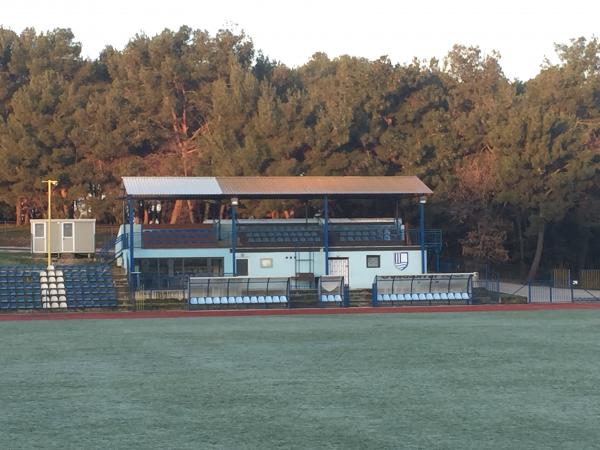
282,234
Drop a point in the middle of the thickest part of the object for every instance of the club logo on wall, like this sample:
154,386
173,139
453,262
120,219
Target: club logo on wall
401,260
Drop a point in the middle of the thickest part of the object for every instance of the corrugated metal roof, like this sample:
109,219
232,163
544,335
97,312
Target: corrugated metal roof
171,186
275,187
322,185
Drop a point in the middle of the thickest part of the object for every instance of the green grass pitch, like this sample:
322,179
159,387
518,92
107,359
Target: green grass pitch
509,380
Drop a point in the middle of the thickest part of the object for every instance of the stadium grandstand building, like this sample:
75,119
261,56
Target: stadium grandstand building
301,249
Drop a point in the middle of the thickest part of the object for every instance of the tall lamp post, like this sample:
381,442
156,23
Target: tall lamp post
49,183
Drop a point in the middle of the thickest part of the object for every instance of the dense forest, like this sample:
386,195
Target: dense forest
514,165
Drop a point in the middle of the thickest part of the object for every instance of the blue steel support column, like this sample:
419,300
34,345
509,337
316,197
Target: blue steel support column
130,268
233,239
326,234
422,233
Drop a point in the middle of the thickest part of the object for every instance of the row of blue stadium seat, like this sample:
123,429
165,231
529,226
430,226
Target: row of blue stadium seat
331,298
239,300
424,296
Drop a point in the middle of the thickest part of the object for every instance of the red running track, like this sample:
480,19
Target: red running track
48,315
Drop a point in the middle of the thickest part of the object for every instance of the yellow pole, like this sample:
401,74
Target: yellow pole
49,229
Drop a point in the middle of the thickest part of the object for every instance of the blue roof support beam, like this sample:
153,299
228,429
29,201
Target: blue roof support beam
131,214
234,203
326,233
422,201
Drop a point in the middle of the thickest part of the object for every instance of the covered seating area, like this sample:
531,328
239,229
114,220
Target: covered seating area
424,288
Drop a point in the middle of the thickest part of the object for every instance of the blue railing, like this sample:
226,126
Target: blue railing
433,238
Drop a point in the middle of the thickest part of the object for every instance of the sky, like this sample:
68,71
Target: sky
524,32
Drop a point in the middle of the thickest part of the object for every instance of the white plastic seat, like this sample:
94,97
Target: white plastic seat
268,299
379,297
60,280
323,298
393,297
444,296
44,286
451,296
386,297
429,296
338,298
436,296
231,300
246,300
62,298
283,299
52,285
59,273
466,296
208,300
422,296
43,279
54,298
261,299
253,299
54,305
239,300
276,299
62,305
224,301
331,298
51,279
62,292
193,301
400,297
216,300
43,273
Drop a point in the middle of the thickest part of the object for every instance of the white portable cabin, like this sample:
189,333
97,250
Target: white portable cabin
68,235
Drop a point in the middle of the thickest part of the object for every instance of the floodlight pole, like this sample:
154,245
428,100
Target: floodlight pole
49,183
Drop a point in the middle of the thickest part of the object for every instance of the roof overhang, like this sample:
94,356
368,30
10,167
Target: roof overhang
305,187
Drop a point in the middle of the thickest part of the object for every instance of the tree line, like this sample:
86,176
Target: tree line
514,165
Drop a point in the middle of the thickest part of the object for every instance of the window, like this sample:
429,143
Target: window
266,263
67,230
241,267
38,230
373,261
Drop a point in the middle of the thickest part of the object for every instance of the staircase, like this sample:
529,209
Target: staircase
122,288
